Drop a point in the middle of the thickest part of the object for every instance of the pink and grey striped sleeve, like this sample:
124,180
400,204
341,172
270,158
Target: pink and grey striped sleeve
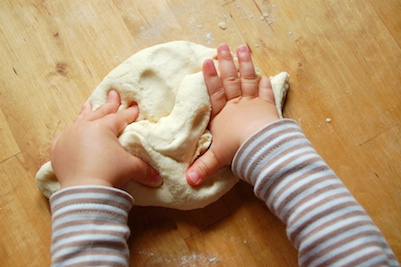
324,221
89,225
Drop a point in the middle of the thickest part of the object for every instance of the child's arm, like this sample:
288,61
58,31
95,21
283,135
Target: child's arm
89,226
89,215
324,222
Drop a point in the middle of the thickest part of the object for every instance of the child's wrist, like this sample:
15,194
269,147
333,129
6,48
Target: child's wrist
257,126
85,182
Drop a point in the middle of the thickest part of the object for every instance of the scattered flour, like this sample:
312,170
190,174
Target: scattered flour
185,260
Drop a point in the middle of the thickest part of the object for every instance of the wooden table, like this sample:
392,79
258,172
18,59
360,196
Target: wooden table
344,59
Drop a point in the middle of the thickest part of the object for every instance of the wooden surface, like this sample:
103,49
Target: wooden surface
344,60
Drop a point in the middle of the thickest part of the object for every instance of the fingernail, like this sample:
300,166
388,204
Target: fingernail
112,94
224,47
224,50
194,177
156,180
242,49
85,105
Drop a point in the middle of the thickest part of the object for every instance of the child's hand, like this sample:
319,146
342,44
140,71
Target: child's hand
241,105
88,151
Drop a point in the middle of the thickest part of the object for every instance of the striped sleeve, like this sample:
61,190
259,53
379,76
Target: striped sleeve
89,225
324,221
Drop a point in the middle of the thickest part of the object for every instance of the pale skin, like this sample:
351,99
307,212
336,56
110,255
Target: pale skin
241,105
88,151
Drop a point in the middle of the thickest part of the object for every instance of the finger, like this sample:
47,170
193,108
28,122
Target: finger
85,109
228,72
54,142
249,80
203,168
118,121
214,87
143,173
265,90
111,106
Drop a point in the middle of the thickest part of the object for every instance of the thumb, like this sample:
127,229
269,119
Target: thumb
203,167
143,173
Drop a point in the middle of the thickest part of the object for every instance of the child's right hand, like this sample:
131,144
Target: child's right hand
88,151
241,105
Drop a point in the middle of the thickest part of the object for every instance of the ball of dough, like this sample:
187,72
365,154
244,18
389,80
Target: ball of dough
167,83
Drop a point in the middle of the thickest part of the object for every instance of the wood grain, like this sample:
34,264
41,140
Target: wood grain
343,57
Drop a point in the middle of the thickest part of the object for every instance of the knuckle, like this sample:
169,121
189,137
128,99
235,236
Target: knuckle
248,80
203,168
218,95
112,106
207,164
249,77
232,79
108,108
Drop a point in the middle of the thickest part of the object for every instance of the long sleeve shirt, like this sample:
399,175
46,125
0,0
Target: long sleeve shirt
324,221
89,225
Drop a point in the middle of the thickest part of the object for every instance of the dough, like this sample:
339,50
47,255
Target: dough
280,87
170,133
